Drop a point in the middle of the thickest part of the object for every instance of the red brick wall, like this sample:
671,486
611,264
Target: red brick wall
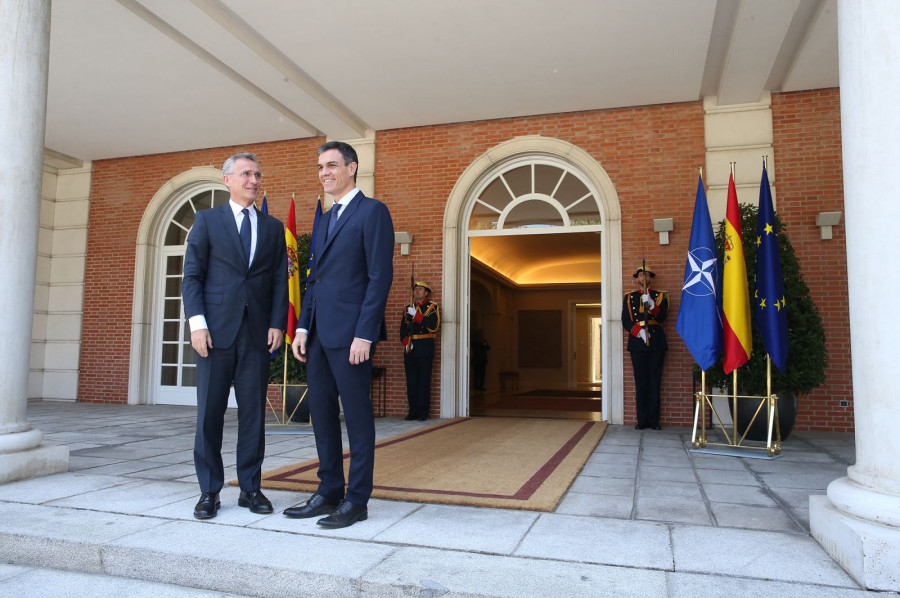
807,127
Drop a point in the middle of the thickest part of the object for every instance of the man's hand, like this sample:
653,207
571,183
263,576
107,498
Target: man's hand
411,311
359,351
643,336
299,346
646,298
201,342
276,337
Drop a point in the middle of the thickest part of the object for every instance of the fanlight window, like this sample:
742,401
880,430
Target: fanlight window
534,195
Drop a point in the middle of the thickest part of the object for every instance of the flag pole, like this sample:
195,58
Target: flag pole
734,400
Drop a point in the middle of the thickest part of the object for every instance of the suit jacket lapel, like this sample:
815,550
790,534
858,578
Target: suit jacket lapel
346,213
226,221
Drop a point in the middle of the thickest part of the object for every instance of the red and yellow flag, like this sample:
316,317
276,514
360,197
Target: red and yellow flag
290,236
735,296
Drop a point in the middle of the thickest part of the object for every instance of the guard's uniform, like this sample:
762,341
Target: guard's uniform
647,360
421,330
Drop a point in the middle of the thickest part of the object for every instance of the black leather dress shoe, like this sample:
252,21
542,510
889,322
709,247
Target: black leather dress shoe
207,506
656,427
409,418
255,501
345,515
316,505
639,427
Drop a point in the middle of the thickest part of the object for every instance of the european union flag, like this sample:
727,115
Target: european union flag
699,322
768,301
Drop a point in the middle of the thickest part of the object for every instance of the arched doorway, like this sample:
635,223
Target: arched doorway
531,193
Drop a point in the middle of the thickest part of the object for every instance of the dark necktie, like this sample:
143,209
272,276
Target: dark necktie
246,235
335,212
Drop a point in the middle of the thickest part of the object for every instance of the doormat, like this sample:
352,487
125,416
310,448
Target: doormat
488,462
564,394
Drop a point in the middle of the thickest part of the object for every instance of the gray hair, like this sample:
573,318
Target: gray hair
229,163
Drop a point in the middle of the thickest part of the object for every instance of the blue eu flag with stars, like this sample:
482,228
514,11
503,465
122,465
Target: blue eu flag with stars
768,302
699,322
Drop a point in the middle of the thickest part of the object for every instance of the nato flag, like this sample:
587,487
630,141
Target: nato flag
699,322
768,301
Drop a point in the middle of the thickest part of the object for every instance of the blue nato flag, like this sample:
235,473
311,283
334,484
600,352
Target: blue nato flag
769,310
699,321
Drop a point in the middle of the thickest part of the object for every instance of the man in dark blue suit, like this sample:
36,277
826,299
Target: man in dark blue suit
235,299
341,320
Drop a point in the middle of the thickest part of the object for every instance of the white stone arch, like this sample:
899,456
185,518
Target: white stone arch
145,268
455,313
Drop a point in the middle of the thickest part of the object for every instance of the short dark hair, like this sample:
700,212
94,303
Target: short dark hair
346,150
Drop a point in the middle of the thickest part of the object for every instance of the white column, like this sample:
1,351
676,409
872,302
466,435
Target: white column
859,521
24,50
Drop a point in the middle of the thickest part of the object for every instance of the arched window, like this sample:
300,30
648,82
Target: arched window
177,366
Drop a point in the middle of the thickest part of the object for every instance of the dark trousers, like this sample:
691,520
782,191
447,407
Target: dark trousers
247,368
330,374
478,372
648,367
418,365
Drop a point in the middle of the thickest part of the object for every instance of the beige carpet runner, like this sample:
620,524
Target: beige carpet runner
490,462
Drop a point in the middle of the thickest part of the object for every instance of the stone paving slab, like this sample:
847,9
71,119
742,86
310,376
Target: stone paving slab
596,505
755,554
664,510
136,497
62,538
44,489
689,584
496,531
602,541
42,583
425,573
246,561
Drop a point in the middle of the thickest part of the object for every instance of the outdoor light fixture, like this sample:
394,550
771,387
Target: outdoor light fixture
405,239
663,226
825,220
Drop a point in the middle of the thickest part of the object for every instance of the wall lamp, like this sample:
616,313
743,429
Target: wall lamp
663,226
825,220
405,240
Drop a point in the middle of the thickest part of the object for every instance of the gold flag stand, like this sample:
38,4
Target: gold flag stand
735,446
285,424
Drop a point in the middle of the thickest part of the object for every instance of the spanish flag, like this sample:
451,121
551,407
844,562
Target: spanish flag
290,236
735,296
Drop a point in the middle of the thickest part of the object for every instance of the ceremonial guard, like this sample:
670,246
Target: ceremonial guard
643,312
418,329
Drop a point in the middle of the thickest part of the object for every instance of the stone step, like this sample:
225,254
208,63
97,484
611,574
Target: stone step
268,563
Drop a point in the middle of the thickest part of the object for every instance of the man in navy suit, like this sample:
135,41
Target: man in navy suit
341,320
235,299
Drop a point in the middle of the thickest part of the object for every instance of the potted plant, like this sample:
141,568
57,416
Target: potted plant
805,366
295,382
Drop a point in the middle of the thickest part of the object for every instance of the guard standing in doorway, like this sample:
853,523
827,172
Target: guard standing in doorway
418,329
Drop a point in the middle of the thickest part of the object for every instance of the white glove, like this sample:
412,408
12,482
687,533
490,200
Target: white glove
411,311
642,335
646,298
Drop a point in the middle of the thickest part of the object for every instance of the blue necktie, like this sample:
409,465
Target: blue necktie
335,212
246,235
